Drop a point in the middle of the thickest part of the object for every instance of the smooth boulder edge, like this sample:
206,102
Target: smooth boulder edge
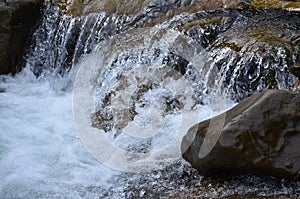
259,135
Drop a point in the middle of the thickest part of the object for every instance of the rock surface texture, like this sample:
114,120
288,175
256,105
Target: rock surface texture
249,45
259,135
17,19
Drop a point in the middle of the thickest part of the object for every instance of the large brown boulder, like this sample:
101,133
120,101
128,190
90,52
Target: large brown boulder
17,19
259,135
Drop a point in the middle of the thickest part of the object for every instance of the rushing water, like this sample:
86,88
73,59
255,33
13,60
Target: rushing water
40,149
138,90
42,154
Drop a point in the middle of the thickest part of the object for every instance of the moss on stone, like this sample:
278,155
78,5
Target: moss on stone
279,4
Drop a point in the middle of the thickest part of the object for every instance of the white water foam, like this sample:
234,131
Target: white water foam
40,151
41,154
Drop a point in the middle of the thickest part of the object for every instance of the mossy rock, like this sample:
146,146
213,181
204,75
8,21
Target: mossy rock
279,4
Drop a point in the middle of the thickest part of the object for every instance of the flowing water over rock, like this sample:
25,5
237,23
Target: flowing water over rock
142,78
247,50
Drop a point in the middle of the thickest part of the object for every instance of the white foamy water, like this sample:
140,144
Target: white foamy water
40,152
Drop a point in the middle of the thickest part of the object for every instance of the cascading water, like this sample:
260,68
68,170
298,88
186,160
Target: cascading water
61,40
139,88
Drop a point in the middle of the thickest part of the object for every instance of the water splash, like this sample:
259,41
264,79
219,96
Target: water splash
40,152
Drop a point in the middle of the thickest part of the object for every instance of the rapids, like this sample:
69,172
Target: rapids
104,99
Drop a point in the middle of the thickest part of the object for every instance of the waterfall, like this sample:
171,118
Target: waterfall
42,152
60,41
139,79
105,98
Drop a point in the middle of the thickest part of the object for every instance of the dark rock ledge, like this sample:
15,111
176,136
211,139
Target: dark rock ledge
17,18
260,135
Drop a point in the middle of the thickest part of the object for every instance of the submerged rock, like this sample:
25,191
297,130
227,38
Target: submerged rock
17,19
259,135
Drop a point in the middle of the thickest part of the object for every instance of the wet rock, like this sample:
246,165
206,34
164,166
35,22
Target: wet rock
259,135
246,186
135,7
249,50
287,5
143,13
17,20
249,47
147,90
